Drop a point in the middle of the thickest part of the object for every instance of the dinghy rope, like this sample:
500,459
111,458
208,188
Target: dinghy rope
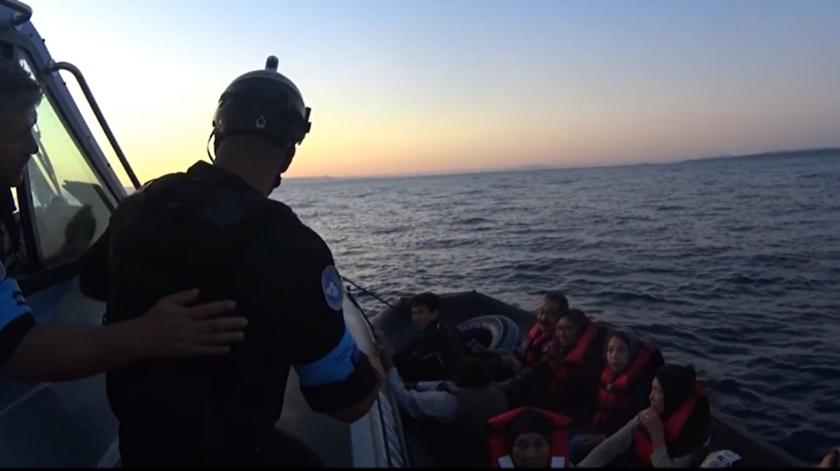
367,292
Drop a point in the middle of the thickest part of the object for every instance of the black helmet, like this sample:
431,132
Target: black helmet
266,103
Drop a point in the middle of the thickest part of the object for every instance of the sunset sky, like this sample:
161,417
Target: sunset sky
422,86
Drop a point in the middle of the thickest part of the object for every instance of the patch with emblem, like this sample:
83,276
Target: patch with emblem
331,285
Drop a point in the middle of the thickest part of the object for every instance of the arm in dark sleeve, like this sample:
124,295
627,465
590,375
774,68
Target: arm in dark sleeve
303,289
454,346
93,268
442,348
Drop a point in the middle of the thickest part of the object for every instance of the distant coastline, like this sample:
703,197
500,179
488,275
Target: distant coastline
814,152
820,151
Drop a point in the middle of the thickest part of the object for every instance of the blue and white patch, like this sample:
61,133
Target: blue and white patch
331,285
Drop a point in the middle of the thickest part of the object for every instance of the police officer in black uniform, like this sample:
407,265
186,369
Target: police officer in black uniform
214,227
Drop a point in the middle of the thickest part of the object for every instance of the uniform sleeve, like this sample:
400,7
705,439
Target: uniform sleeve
16,319
93,268
299,295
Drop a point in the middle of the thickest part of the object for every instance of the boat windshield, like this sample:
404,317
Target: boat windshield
70,200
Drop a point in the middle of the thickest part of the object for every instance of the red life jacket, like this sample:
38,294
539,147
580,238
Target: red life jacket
673,427
538,341
574,375
617,401
500,448
559,365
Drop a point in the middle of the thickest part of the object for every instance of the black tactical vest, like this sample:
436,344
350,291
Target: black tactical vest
178,233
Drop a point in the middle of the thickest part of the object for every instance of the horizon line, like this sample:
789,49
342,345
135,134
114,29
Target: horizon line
534,167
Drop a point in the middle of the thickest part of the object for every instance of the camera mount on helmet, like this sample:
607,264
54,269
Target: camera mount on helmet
264,103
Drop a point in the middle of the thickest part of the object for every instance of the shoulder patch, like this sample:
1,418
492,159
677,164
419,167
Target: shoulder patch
332,288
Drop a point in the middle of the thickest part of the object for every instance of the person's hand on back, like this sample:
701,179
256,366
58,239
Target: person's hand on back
174,329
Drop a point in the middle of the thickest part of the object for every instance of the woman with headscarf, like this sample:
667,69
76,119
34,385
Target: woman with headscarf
624,389
529,438
668,434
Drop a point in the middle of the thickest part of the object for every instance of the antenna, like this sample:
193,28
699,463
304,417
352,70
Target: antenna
272,63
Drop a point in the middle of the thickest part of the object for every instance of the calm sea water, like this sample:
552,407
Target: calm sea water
730,265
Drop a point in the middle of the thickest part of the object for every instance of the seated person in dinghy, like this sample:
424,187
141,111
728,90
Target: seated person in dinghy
466,400
624,390
571,374
529,438
451,415
534,349
535,346
434,354
669,434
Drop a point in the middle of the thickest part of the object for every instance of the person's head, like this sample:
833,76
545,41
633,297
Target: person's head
671,386
570,326
529,438
471,373
20,96
260,119
620,349
425,308
551,305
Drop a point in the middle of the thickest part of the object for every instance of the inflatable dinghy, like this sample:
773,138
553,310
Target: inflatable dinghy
506,325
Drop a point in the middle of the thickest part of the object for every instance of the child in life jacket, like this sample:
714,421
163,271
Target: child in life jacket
529,438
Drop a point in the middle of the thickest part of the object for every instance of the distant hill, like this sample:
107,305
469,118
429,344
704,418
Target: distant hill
818,152
524,168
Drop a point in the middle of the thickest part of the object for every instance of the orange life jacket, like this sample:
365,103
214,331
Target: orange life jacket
574,375
617,401
537,345
673,427
561,365
500,448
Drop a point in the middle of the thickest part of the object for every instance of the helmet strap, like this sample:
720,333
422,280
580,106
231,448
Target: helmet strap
210,156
